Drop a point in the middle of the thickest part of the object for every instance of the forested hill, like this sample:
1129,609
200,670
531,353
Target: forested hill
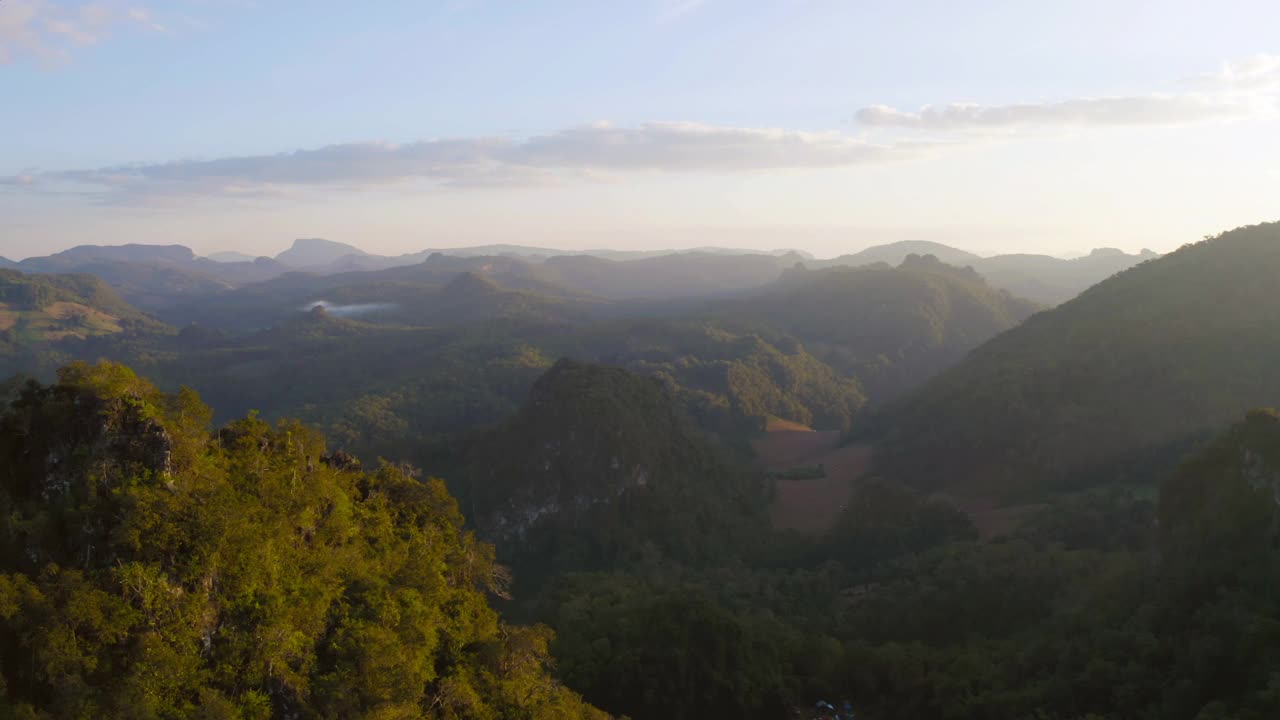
38,309
600,469
22,291
1111,387
890,327
151,568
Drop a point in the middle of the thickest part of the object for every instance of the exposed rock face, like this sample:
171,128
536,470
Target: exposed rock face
78,448
110,442
341,460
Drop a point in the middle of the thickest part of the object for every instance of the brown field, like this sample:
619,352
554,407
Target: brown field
813,506
93,322
8,318
810,506
96,318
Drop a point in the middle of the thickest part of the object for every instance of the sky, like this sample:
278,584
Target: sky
399,125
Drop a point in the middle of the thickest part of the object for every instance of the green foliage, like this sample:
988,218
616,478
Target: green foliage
1084,612
886,521
152,569
1188,628
44,317
720,375
652,652
1112,519
36,292
600,470
889,327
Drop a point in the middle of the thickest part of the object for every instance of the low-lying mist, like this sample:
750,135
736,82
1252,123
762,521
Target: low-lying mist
353,310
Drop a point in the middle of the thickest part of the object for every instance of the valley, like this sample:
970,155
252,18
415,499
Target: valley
867,481
791,453
655,360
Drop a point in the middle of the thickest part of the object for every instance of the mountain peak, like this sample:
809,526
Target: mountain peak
133,252
311,252
471,284
896,252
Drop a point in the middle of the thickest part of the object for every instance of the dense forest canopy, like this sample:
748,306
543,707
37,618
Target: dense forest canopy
154,568
601,469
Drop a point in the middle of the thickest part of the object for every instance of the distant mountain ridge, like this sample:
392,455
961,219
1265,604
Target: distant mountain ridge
156,277
895,253
316,253
152,276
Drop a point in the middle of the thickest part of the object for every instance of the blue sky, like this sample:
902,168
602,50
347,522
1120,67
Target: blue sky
995,126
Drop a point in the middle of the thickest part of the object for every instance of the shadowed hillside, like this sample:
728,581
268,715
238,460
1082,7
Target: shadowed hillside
599,469
1110,387
891,328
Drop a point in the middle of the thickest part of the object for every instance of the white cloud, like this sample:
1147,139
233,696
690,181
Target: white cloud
1079,112
694,147
1259,73
48,31
1238,90
579,152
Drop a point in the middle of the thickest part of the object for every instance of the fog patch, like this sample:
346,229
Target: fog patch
346,311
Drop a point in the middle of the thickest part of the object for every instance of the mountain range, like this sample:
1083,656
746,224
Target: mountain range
728,482
156,277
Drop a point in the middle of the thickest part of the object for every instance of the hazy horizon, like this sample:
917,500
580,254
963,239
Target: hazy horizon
747,240
995,127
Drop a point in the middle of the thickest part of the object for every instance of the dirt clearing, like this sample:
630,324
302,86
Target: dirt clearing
810,506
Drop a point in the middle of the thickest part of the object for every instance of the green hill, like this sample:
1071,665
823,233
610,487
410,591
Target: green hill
1111,387
890,328
152,568
720,375
38,310
599,470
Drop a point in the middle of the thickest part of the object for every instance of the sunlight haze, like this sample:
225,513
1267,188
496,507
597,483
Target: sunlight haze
827,126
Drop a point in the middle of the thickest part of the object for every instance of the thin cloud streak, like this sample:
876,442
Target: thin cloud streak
598,150
1238,90
1080,112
